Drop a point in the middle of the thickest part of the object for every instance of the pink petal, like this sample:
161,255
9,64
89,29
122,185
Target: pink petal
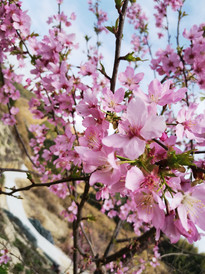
154,127
115,140
134,178
137,112
183,216
134,148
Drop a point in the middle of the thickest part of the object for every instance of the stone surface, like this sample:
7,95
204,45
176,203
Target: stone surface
10,152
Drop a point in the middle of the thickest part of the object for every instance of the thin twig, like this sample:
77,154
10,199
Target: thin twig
18,170
114,236
150,53
174,254
118,45
76,224
198,152
23,42
159,143
124,240
68,179
88,241
125,253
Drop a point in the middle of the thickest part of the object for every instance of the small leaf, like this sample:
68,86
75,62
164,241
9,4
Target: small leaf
130,58
91,218
116,23
87,38
102,68
34,34
118,4
29,177
178,160
111,29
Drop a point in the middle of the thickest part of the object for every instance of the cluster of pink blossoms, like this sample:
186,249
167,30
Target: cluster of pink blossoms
14,23
161,8
138,169
100,15
194,55
4,258
192,60
138,19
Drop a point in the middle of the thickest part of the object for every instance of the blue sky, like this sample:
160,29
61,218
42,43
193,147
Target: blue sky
40,10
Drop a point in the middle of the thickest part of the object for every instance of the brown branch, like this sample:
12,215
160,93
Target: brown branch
23,42
124,254
82,253
159,143
18,170
198,152
126,240
76,224
88,241
180,55
68,179
114,236
174,254
118,42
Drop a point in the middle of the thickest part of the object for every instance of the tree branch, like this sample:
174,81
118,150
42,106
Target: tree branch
18,170
159,143
118,42
76,224
68,179
88,241
114,236
140,244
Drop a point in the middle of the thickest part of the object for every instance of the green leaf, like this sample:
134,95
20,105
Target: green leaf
184,14
91,218
118,4
102,68
3,269
202,98
34,34
111,29
116,24
130,58
87,38
177,160
29,177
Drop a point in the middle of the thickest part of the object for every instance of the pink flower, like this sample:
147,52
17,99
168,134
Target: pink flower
163,94
102,164
170,229
136,127
191,234
8,119
108,204
190,206
14,110
111,101
189,125
150,208
129,79
73,208
4,258
135,180
92,138
193,33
